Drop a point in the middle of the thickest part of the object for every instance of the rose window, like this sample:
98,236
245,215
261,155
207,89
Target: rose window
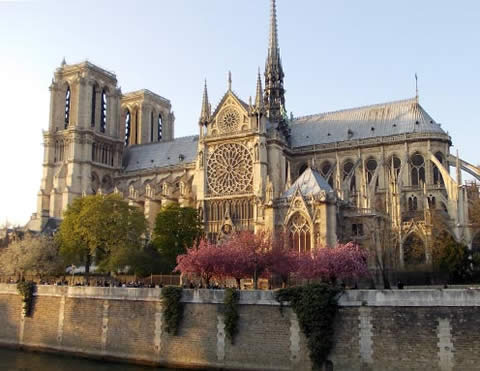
229,169
229,120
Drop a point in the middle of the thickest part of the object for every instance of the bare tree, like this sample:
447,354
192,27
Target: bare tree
32,255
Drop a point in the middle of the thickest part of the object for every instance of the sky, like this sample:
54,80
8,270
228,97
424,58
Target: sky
336,54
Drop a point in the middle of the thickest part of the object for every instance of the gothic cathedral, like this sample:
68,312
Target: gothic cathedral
323,178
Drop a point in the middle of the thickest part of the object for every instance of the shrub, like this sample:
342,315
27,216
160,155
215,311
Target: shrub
26,290
231,312
172,308
316,307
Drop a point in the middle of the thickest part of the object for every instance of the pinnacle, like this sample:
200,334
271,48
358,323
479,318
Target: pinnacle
205,112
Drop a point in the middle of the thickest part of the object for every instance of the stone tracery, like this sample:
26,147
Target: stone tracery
229,169
229,120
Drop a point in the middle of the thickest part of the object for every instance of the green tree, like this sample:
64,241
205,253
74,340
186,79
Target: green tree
453,258
103,229
37,255
176,229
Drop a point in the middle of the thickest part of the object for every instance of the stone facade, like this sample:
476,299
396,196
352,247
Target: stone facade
374,330
323,178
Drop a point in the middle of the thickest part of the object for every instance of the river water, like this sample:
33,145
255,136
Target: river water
16,360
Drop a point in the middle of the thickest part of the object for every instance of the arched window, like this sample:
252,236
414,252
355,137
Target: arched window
437,176
325,170
412,203
103,119
151,126
348,168
418,169
94,150
68,97
94,102
371,167
299,233
135,126
414,251
127,127
395,164
160,127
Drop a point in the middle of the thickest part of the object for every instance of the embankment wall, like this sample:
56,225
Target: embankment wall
374,330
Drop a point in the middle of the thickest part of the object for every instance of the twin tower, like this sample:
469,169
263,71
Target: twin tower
91,123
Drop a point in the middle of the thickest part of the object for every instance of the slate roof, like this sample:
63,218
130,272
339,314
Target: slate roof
310,183
385,119
161,154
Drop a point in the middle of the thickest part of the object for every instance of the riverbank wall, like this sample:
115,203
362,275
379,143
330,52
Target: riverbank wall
374,330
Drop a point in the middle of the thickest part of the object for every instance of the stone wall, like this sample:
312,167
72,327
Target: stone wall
375,330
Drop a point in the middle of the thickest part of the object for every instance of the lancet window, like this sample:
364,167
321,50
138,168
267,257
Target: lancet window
103,153
348,170
68,96
394,166
59,151
160,127
371,166
299,233
94,102
325,170
417,164
151,126
127,127
103,119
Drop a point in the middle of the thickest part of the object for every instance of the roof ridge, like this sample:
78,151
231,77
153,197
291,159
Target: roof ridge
194,136
412,100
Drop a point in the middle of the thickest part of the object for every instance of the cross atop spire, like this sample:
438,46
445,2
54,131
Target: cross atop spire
273,44
229,80
274,98
205,112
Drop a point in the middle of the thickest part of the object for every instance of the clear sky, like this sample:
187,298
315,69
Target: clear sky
336,54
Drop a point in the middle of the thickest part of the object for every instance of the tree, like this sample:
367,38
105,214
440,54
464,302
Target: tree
203,259
254,247
37,255
103,228
176,229
281,261
345,262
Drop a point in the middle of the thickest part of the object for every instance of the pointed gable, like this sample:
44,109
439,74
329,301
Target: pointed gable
309,183
233,97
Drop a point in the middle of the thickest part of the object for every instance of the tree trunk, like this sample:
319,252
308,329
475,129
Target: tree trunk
88,262
255,280
386,281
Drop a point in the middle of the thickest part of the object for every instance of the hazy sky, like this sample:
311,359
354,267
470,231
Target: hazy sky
336,54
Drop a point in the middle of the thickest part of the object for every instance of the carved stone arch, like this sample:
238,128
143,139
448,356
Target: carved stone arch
299,229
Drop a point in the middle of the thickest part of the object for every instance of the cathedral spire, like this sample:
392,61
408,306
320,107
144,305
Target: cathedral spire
205,112
274,92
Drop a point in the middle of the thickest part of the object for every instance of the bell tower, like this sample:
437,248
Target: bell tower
83,145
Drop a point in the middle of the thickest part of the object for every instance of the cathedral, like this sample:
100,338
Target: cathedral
320,179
